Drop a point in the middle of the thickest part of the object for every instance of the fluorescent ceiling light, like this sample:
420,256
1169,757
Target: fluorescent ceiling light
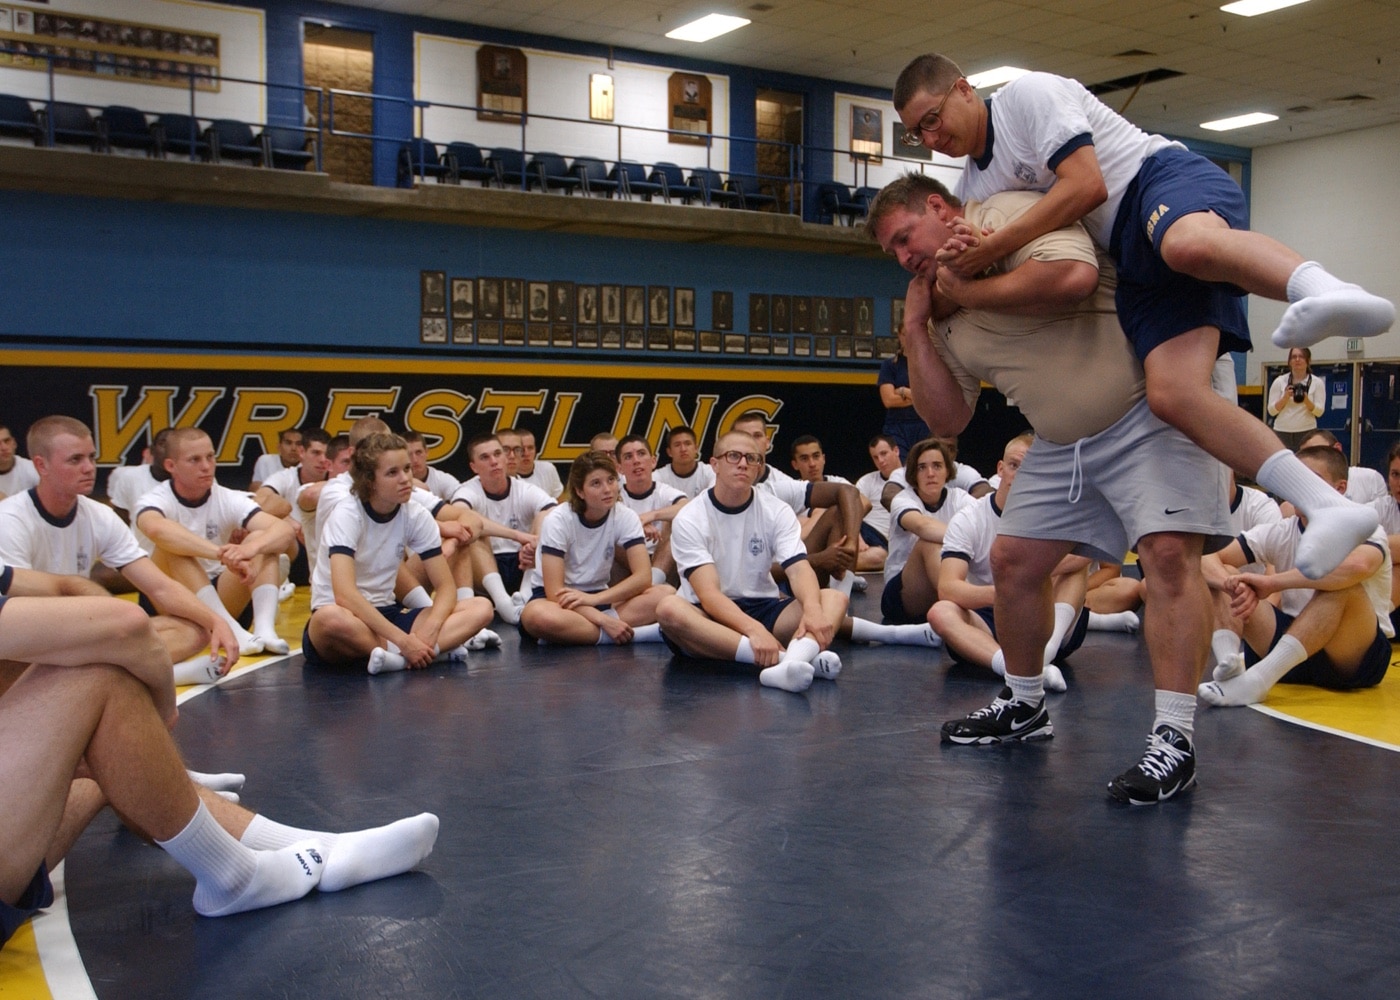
996,77
1239,121
1250,8
707,27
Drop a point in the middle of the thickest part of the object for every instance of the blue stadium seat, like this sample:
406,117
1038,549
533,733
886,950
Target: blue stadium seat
470,164
593,174
673,184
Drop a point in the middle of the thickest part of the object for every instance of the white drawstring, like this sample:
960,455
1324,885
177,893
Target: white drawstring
1076,476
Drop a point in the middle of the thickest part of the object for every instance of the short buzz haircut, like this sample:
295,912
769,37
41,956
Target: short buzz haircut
178,436
930,73
683,429
801,440
282,434
909,191
633,439
1327,436
159,448
1331,460
600,436
43,431
476,442
875,442
364,427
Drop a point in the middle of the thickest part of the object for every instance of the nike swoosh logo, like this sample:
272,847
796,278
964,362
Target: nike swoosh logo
1168,510
1016,727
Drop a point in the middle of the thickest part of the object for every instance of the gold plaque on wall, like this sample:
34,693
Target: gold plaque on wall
690,103
500,83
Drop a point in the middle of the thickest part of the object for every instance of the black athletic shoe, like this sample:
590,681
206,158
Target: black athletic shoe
1168,767
1003,720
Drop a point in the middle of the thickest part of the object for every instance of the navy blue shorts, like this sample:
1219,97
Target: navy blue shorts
1318,669
35,898
764,610
988,619
873,538
396,613
508,565
1071,642
1154,302
538,594
892,603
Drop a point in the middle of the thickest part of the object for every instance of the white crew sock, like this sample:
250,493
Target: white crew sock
744,654
844,583
1335,524
1028,690
198,669
826,665
386,661
224,781
500,597
454,654
657,576
465,593
864,630
999,663
604,639
802,650
1065,617
1176,710
1224,644
788,675
265,619
1325,306
231,877
1121,621
417,598
1054,678
1251,687
647,633
358,856
248,643
483,640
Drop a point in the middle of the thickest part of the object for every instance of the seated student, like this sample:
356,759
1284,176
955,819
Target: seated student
127,484
191,519
875,527
654,503
1113,599
604,441
729,608
17,473
1333,632
1363,485
685,472
440,484
512,445
57,528
571,603
1388,507
919,515
966,594
101,702
531,470
278,494
308,498
354,617
833,539
510,512
961,475
287,455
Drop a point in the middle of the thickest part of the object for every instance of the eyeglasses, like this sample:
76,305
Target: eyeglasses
929,122
735,457
517,450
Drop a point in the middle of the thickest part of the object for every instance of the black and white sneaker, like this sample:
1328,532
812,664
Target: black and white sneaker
1168,767
1004,720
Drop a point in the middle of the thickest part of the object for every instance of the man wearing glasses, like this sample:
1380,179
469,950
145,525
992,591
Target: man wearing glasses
1176,226
725,543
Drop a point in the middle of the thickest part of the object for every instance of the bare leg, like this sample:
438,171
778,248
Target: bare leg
1177,630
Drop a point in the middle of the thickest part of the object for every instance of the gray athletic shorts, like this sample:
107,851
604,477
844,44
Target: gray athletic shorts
1104,492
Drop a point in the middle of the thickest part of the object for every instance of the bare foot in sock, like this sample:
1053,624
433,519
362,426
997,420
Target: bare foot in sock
788,676
1345,312
485,639
1054,678
274,644
826,665
381,661
224,781
1245,689
366,855
1331,535
1231,666
280,877
198,670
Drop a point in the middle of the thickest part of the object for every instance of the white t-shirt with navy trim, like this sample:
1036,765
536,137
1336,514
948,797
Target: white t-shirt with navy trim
742,543
659,497
377,543
33,538
701,478
214,518
22,476
587,549
516,508
969,537
907,502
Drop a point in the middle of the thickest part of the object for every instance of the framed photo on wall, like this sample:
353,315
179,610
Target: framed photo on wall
587,337
610,339
690,99
659,305
490,333
683,340
821,347
735,343
501,84
844,317
463,298
658,338
562,335
588,305
433,330
432,288
634,306
685,307
462,332
801,314
561,299
896,316
490,298
722,310
802,346
634,338
780,315
843,347
886,347
759,343
537,335
538,311
865,317
511,334
610,308
514,305
781,346
710,342
758,312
